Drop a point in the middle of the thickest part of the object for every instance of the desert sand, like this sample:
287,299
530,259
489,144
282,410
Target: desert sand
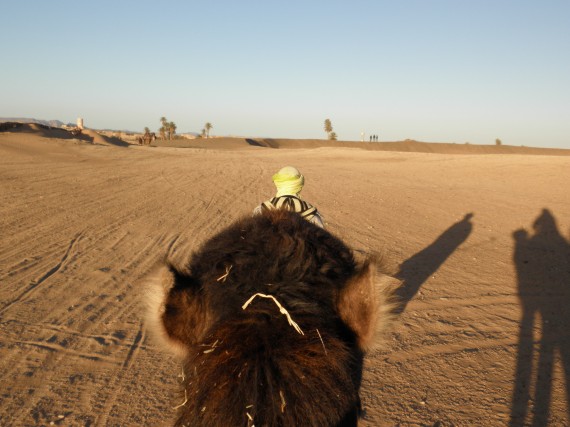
484,311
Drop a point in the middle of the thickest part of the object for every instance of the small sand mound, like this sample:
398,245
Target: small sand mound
95,138
10,126
42,130
87,135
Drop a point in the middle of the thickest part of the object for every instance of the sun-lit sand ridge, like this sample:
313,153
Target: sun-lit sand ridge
83,220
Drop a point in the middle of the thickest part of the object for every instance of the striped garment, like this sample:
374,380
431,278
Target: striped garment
295,204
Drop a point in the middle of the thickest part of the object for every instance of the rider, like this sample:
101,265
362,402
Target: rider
289,183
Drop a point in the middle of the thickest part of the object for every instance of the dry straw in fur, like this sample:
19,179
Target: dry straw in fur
281,309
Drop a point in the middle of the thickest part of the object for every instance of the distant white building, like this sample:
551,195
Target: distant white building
80,123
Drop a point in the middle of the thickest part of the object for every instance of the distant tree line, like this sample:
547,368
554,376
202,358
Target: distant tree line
167,129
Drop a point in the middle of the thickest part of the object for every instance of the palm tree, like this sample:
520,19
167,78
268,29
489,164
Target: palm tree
207,127
171,129
163,128
328,127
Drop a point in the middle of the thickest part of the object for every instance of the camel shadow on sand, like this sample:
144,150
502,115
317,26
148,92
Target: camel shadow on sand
542,261
418,268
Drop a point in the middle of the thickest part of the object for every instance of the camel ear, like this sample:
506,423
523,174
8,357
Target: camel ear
175,309
364,304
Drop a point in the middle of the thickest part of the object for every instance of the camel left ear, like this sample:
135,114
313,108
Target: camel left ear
363,304
176,313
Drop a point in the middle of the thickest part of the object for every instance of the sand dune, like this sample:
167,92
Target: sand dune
82,223
86,135
408,146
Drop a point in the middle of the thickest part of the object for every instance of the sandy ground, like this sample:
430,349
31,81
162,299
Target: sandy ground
485,308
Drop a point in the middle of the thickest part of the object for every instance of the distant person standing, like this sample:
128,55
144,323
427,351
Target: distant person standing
289,183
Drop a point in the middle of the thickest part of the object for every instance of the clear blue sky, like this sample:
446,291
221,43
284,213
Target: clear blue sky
442,70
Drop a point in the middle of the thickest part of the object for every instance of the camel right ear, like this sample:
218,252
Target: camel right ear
176,312
364,304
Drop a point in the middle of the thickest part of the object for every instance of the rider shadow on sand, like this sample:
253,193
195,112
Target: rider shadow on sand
542,261
418,268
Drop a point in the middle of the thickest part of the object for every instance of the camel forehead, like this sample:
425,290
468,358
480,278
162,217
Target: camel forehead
275,249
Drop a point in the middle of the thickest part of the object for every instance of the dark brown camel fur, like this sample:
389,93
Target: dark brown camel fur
247,364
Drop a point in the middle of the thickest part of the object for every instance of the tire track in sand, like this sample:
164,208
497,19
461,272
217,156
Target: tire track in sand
71,248
118,381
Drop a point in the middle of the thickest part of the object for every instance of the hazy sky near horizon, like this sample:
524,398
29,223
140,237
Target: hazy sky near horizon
441,70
